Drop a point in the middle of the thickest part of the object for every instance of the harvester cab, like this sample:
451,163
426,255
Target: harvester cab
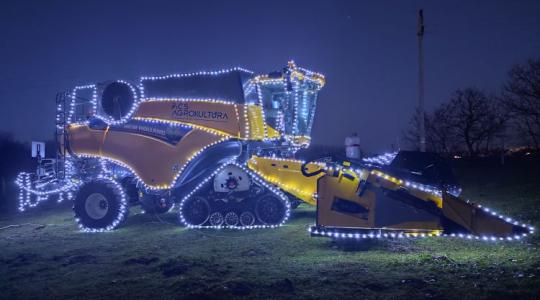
289,99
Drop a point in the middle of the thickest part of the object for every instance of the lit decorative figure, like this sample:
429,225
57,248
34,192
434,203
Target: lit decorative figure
218,183
116,106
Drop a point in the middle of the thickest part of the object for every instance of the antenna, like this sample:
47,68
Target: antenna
420,34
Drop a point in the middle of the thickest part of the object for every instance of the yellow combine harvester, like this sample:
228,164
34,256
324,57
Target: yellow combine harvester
221,145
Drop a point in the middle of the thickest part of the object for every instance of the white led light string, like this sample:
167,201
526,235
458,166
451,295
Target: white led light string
383,159
26,191
212,73
261,103
384,233
372,234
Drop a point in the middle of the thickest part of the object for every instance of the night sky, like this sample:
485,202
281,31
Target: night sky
368,52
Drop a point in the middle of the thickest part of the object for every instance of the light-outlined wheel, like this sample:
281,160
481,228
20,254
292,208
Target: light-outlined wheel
216,219
270,209
247,218
100,205
231,219
195,211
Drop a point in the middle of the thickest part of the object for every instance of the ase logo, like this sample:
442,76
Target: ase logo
182,111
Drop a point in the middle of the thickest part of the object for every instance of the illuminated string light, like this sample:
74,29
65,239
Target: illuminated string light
212,73
383,159
391,234
408,184
370,233
27,190
261,103
204,100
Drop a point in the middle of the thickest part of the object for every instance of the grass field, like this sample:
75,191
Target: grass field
46,257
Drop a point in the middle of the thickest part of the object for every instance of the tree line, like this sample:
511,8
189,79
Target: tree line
474,121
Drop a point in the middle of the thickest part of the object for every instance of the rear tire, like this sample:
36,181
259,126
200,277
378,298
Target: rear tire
100,205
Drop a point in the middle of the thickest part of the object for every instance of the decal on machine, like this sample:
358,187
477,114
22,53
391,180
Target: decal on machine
169,134
183,111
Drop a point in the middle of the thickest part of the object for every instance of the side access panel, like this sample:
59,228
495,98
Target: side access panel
340,204
155,161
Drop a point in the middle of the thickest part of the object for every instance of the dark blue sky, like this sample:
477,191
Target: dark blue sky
367,50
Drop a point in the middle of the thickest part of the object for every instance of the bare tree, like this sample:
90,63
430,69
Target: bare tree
440,130
475,119
470,122
521,95
439,136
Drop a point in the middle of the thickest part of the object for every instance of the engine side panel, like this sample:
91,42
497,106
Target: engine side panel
215,116
156,162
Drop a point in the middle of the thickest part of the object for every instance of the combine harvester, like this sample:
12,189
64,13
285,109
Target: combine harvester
221,145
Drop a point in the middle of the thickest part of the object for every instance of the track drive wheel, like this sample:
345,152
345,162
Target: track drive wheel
196,211
100,205
270,210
